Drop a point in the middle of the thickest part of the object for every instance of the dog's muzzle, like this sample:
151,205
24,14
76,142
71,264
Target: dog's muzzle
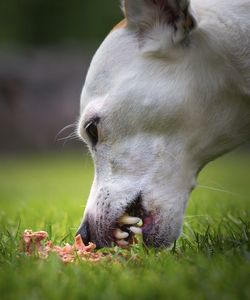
134,220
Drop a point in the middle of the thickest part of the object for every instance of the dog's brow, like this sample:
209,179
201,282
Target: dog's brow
95,119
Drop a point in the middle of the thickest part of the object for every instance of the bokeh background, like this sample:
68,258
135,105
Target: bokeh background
45,50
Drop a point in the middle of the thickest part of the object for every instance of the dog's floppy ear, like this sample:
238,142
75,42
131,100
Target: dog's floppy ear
160,24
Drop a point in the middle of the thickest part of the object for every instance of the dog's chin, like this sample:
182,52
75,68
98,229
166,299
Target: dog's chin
157,234
156,238
158,243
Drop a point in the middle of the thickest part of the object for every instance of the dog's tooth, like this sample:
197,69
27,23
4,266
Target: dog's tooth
127,220
122,243
140,223
136,230
119,234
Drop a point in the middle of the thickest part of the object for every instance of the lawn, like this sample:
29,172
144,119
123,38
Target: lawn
211,260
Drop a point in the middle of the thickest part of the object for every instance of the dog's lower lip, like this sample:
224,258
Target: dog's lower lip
147,224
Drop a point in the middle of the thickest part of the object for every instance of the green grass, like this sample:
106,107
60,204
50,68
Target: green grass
210,261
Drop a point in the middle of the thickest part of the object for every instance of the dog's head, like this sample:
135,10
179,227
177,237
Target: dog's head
151,116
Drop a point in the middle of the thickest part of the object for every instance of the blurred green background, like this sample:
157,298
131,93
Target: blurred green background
40,22
45,51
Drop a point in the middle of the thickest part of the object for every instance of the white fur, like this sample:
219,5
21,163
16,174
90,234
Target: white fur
162,118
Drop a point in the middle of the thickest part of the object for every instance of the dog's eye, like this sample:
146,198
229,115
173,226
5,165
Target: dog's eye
92,132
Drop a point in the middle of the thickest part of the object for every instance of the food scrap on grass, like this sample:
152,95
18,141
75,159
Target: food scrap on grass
36,242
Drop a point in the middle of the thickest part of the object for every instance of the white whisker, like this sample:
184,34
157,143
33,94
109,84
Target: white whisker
195,216
211,188
72,136
64,128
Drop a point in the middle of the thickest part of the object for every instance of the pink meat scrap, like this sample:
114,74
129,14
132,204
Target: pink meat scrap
34,243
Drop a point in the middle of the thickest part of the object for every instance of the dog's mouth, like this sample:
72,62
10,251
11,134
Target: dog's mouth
134,222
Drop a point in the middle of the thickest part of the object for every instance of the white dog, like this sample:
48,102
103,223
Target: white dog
167,92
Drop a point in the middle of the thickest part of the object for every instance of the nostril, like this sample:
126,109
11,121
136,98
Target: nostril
84,232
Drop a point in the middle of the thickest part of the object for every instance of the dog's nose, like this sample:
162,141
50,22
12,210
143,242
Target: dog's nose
84,232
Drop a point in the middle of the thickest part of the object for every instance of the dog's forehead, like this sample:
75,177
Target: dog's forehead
122,81
112,61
